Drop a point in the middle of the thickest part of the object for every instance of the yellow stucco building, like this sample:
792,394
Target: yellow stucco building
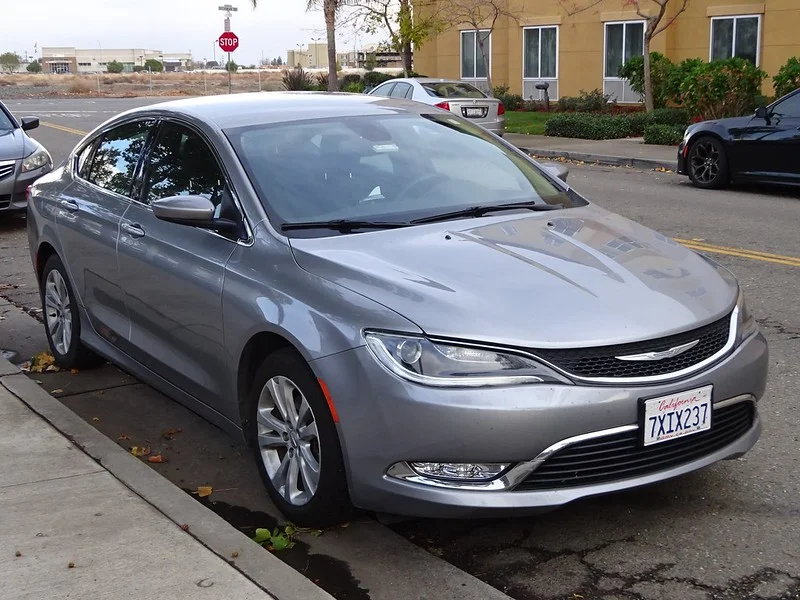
583,50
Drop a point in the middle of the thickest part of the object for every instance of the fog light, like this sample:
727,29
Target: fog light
459,471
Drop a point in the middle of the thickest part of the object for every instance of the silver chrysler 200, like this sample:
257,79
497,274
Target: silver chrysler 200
397,309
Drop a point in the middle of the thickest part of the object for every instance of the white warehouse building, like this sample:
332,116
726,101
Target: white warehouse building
94,60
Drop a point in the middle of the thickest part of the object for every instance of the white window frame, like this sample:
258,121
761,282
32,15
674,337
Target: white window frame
524,54
733,41
477,50
624,37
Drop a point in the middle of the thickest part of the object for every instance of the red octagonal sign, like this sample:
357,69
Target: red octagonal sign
228,41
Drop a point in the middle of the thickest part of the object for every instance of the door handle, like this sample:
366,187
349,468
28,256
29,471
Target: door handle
133,230
68,205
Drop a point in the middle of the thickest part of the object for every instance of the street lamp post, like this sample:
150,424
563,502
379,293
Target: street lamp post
316,41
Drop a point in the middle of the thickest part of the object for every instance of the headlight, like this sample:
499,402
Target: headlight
746,324
423,361
38,159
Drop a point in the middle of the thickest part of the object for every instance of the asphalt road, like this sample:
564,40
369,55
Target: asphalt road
731,531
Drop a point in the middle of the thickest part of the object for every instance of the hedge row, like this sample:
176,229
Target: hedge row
594,126
664,135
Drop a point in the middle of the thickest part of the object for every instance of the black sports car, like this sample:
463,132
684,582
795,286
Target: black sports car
764,146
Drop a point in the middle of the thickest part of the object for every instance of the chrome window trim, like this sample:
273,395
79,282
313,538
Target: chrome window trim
509,480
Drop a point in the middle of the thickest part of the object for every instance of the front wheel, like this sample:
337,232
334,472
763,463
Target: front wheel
708,164
296,444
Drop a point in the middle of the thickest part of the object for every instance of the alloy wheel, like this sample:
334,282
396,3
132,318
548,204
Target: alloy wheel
288,440
705,161
58,313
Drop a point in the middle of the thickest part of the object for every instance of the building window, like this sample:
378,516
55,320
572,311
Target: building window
472,66
84,64
623,42
540,53
736,36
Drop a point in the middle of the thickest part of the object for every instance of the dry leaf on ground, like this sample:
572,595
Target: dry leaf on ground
156,458
140,450
204,490
124,437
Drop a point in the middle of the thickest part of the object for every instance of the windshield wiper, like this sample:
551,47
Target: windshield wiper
341,225
479,211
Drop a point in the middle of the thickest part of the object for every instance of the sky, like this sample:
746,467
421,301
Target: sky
167,25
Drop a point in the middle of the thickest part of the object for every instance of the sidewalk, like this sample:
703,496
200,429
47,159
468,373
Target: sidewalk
72,529
630,151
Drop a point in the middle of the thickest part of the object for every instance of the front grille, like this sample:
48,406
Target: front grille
601,362
6,170
621,456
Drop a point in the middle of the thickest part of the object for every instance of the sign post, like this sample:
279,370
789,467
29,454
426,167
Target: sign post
229,42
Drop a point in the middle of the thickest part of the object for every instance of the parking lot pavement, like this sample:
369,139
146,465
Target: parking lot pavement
731,531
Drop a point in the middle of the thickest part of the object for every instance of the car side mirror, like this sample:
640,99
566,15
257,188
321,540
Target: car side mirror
29,123
557,170
196,211
761,112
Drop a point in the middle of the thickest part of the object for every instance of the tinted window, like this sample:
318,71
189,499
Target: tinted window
453,89
383,90
181,163
392,167
400,90
5,121
84,160
789,107
116,158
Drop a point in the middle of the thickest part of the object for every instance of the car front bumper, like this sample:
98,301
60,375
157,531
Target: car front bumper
13,186
682,160
385,421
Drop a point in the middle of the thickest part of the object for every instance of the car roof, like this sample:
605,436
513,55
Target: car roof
257,108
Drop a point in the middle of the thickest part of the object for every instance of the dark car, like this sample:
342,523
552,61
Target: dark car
22,160
763,146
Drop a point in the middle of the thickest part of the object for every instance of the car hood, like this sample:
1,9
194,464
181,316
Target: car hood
12,144
579,277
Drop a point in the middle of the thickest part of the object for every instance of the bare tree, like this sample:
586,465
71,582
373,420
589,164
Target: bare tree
653,26
329,9
481,16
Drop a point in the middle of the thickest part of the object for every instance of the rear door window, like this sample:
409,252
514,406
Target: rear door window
114,163
383,90
401,90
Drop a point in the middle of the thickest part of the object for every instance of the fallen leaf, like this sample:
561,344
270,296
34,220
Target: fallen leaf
262,535
185,527
204,490
51,369
57,391
123,437
171,433
95,419
17,553
234,554
344,525
74,371
140,451
156,458
71,565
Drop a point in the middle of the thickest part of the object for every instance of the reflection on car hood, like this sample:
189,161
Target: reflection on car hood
12,144
579,277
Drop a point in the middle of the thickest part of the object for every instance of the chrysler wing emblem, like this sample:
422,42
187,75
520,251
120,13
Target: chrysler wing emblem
660,355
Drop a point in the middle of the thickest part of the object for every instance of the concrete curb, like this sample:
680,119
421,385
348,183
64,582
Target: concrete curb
601,159
265,570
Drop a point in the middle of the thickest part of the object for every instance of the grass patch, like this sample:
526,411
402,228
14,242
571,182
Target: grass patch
531,123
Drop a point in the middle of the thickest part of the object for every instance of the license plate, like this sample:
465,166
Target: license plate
475,112
670,417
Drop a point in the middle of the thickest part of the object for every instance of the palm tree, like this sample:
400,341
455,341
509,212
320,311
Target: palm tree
329,9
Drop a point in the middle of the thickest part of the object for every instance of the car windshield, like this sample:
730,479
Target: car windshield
5,122
388,168
452,89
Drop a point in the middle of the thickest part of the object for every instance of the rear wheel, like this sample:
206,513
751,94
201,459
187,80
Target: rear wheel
296,444
62,320
708,164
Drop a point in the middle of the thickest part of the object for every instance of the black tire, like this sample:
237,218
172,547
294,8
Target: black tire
708,163
75,354
330,503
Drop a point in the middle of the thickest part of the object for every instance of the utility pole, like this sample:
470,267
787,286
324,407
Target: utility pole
228,9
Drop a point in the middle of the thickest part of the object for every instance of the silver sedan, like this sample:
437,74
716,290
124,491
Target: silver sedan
396,309
459,97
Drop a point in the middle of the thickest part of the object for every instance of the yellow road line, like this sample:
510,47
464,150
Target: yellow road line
777,259
64,128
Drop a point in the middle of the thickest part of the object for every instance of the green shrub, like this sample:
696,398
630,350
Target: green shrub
788,78
322,82
350,78
138,68
723,88
588,126
297,80
664,135
661,69
677,117
510,101
34,67
594,101
114,66
638,121
373,78
533,105
354,87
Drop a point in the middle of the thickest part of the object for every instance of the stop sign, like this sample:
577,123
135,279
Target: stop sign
228,41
